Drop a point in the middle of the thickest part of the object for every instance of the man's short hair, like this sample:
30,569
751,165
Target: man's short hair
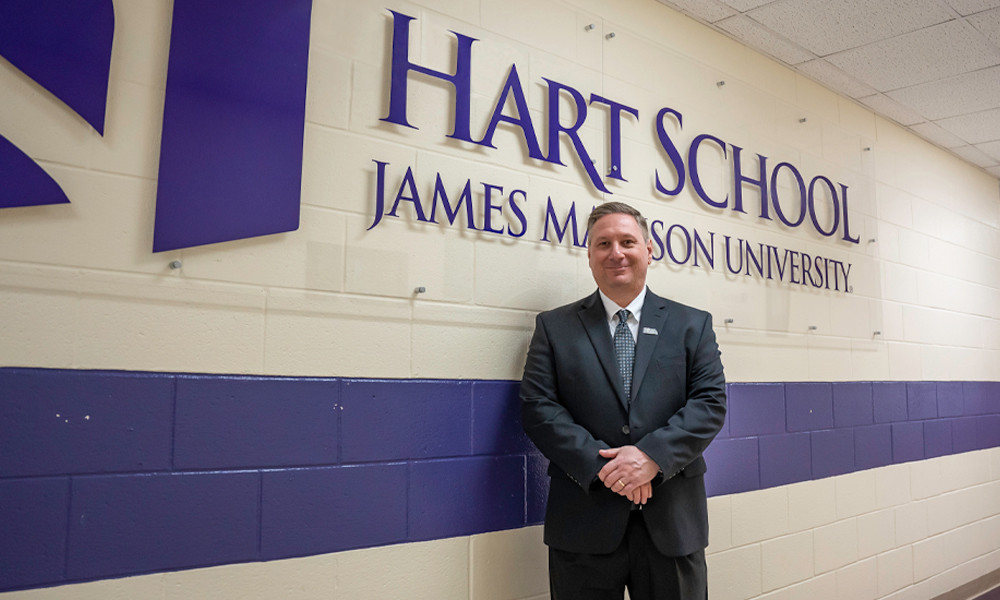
618,208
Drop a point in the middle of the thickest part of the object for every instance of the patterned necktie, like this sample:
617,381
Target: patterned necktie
625,351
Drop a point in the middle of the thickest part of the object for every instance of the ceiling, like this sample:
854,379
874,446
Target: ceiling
932,66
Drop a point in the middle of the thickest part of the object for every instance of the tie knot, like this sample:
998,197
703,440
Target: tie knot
623,316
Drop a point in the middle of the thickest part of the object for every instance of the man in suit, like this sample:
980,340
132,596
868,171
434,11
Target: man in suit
623,404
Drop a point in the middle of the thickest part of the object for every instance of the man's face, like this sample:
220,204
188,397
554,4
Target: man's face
619,256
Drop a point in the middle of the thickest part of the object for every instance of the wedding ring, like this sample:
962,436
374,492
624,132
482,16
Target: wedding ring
621,483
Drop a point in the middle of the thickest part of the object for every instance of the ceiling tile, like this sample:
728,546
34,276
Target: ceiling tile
827,26
757,36
988,24
991,149
974,156
745,5
835,79
935,134
708,11
971,92
930,65
968,7
974,128
940,51
885,105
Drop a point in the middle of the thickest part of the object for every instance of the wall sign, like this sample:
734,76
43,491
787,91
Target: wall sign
816,201
236,177
231,151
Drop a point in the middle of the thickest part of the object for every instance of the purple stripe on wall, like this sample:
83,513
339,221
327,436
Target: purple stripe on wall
33,528
832,452
483,493
937,438
232,422
398,420
852,404
82,422
106,473
537,488
964,434
809,406
320,510
125,524
734,466
921,400
872,447
889,399
784,458
756,409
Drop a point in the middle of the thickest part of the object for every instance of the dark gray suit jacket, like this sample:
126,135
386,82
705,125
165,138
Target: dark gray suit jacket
573,404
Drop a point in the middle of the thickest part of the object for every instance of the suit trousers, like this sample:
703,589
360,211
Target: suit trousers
636,565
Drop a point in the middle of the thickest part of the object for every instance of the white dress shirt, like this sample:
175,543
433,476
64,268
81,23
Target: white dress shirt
634,308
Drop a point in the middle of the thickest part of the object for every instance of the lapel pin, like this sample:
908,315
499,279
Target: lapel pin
650,331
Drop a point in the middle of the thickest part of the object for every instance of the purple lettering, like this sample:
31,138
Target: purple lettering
512,87
616,132
774,195
693,166
833,201
740,179
556,127
461,80
671,149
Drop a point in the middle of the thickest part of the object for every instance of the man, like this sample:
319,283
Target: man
627,505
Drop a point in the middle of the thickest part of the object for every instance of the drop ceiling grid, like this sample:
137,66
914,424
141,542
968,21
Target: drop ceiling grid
826,27
930,65
931,54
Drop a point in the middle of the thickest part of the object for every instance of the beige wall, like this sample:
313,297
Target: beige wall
80,288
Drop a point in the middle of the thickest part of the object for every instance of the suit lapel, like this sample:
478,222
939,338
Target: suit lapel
595,323
654,315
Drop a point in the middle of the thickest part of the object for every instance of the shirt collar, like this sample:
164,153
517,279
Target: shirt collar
635,307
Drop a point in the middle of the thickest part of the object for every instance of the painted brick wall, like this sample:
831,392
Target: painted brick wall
162,471
778,434
333,303
110,473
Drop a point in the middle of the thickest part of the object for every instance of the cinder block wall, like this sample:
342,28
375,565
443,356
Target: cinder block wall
284,417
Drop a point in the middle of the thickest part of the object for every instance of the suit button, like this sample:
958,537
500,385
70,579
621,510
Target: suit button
626,430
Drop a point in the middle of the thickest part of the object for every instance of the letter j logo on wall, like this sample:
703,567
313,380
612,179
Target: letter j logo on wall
234,114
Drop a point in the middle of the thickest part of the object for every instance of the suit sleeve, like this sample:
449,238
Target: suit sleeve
690,430
548,423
